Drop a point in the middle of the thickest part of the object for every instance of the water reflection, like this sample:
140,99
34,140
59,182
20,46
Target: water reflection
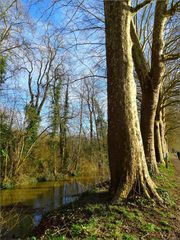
41,198
71,192
48,195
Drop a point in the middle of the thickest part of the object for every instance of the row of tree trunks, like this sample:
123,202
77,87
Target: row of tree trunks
126,154
148,102
158,69
150,79
159,133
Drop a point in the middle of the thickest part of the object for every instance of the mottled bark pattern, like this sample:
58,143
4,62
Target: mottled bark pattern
148,104
158,142
150,81
126,154
162,127
148,112
157,65
158,133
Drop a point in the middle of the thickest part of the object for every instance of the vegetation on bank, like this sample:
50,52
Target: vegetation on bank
42,160
29,155
93,217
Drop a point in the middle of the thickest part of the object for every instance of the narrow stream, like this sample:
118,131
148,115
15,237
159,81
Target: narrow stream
38,199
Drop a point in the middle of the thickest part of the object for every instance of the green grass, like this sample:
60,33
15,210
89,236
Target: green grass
128,221
150,227
126,236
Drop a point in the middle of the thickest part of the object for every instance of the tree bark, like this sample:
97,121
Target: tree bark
126,155
148,112
150,81
158,141
157,131
157,65
63,131
148,103
162,132
79,135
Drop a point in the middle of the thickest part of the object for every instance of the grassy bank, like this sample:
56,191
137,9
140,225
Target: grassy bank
94,218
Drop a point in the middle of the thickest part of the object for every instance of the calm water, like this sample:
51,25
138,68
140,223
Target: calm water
41,198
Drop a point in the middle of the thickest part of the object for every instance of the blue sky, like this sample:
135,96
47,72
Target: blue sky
79,58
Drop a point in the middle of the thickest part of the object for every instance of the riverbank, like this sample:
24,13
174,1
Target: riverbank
22,208
92,217
25,180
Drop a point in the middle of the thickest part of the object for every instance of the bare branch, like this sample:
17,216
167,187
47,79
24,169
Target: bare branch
170,57
174,8
140,6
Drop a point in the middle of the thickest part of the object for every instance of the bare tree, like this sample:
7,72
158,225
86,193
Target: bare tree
126,155
40,63
151,77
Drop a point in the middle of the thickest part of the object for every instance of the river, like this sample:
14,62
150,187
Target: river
36,199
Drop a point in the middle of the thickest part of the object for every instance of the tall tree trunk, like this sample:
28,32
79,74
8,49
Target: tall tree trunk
96,123
150,80
157,65
63,131
157,131
157,138
79,135
162,132
148,103
148,112
91,125
126,155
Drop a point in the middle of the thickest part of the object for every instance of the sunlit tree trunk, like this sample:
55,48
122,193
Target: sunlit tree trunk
148,112
162,132
151,80
148,103
157,132
126,155
158,140
157,65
